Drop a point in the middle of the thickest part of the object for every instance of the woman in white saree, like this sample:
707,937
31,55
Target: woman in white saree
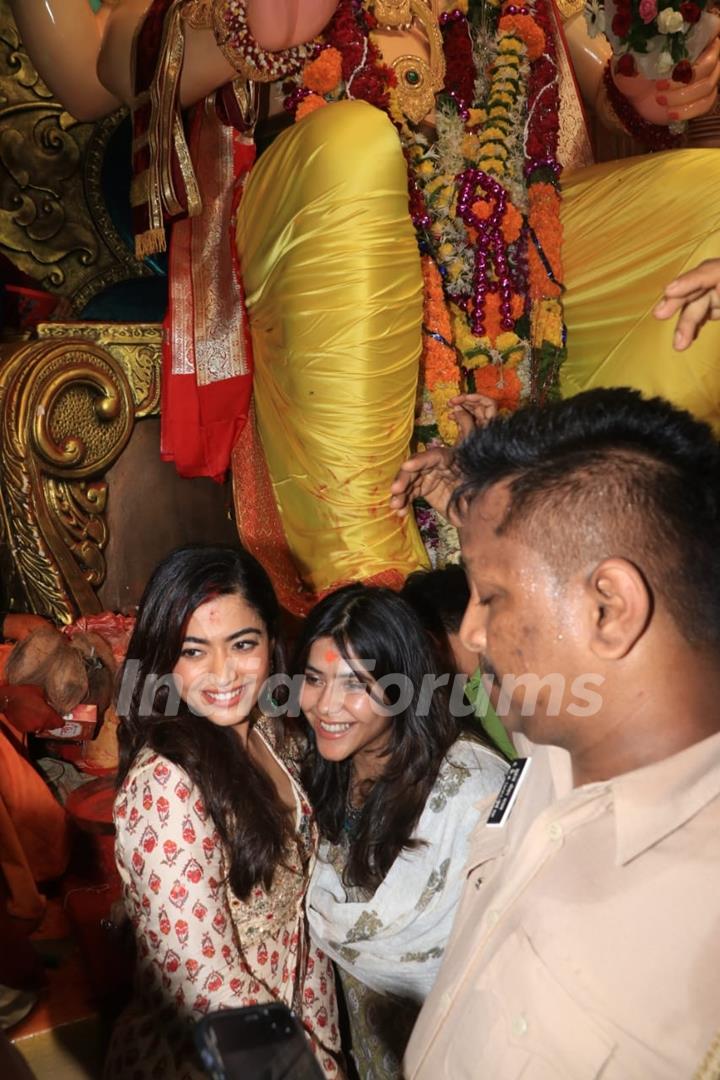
396,787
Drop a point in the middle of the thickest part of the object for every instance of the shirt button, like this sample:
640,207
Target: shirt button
493,917
555,831
519,1025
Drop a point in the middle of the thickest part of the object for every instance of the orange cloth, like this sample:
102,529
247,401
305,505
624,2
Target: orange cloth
34,837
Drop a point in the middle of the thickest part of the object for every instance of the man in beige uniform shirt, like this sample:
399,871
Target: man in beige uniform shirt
587,943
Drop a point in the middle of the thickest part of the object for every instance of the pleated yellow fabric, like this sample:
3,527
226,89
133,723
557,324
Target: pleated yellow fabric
629,227
333,287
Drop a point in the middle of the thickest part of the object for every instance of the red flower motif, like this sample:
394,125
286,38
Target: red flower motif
182,930
148,840
188,832
690,12
622,21
199,911
172,961
161,773
626,65
208,949
178,894
683,72
193,871
170,850
154,883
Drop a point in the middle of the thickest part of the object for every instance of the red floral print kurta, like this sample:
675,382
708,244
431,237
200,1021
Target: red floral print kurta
199,947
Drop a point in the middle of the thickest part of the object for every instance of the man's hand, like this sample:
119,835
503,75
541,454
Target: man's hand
431,475
470,411
696,295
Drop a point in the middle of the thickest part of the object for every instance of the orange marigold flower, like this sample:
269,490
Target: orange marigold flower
511,224
323,74
500,383
308,105
528,30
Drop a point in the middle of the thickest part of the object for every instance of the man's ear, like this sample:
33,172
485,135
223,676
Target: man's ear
621,608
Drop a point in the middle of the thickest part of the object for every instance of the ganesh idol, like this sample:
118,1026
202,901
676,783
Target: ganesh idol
375,206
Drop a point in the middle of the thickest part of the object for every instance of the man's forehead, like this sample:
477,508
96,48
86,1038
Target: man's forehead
486,512
483,547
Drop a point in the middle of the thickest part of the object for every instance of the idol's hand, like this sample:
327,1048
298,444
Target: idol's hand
432,476
664,101
470,411
696,295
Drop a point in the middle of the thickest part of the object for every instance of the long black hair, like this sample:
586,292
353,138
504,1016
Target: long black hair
245,807
376,624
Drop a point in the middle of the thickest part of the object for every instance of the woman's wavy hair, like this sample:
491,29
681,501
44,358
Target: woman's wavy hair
368,623
248,814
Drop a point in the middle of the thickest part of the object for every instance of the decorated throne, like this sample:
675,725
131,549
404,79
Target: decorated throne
87,507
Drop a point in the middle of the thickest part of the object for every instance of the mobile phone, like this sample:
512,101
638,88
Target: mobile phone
259,1042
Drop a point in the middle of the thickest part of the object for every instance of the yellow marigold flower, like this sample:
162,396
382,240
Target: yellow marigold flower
470,145
426,168
507,98
476,116
440,397
506,341
494,165
547,323
495,150
445,250
493,133
511,45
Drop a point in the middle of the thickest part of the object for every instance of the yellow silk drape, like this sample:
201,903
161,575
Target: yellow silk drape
630,226
334,293
333,287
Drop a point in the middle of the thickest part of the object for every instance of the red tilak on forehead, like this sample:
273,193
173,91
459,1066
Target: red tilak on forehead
331,656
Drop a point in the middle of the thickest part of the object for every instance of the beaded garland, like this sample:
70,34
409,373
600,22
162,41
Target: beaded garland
237,42
652,136
483,194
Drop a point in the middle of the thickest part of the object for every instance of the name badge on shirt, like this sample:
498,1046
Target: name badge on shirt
508,792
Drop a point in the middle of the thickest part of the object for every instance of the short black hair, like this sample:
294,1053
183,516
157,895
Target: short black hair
438,597
610,473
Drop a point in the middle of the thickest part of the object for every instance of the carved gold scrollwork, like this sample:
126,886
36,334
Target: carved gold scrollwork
418,80
137,347
54,224
66,414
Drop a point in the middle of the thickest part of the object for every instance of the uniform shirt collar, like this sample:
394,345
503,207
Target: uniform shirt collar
652,802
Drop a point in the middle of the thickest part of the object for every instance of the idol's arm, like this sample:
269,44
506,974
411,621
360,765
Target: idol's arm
63,39
86,59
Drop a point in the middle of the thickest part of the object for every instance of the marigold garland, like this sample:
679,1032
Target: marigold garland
441,377
492,266
323,75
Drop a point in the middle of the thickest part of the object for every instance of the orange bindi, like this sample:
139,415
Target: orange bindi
331,656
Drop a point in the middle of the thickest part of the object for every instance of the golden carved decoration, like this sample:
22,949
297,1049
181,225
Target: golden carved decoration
54,225
137,347
568,8
392,14
417,80
66,414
